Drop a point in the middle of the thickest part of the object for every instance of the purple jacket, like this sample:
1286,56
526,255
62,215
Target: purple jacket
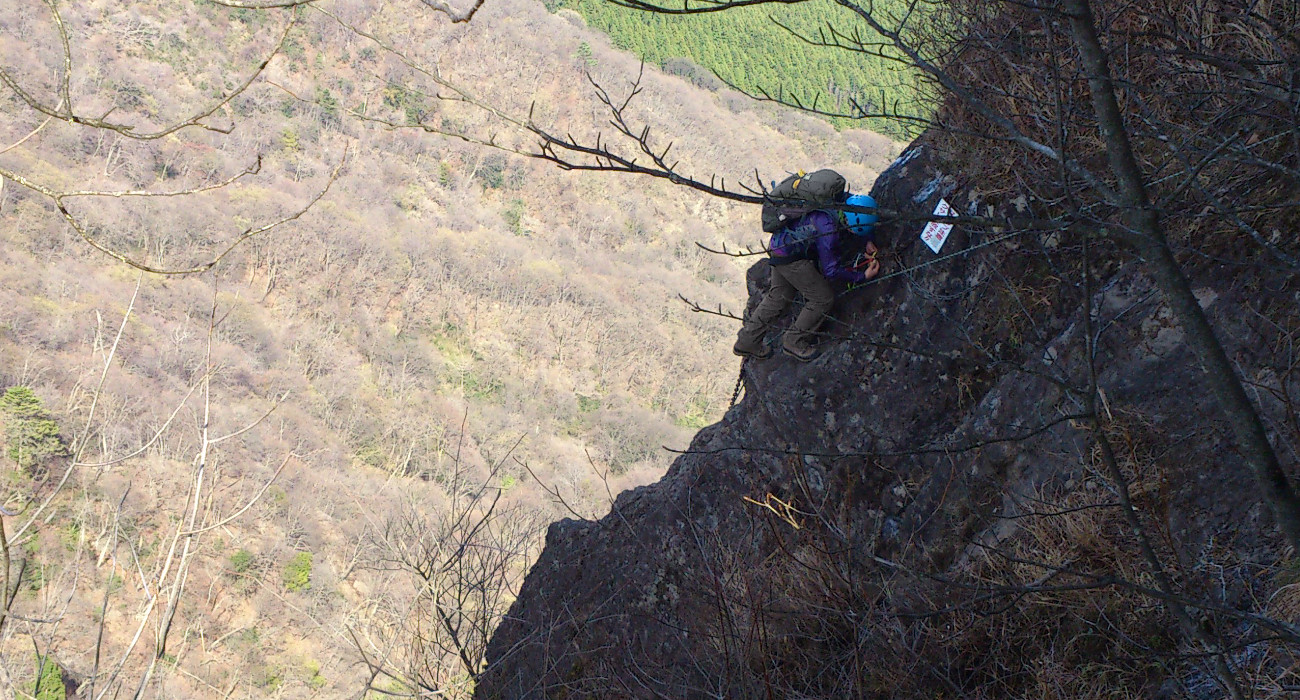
826,246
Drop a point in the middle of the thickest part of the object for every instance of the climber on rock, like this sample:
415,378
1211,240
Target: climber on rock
804,257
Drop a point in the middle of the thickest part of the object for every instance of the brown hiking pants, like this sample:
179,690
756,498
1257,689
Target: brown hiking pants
801,276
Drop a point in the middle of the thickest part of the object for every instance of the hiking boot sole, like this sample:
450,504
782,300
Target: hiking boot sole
760,355
811,355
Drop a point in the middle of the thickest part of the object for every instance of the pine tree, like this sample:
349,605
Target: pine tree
49,682
30,434
329,107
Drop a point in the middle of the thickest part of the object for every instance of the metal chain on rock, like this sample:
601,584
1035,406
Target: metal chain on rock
740,381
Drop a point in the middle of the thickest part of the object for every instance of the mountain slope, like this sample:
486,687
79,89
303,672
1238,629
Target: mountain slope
444,316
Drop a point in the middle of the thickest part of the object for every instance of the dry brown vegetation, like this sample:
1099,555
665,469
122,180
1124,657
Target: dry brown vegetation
384,366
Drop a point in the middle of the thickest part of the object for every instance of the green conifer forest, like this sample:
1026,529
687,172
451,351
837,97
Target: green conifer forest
765,49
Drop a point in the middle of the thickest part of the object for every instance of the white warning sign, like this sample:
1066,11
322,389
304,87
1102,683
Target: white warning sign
936,233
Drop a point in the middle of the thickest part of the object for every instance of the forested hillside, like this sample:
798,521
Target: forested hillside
771,49
335,450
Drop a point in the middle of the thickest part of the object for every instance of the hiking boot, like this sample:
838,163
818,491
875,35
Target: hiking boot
751,348
800,350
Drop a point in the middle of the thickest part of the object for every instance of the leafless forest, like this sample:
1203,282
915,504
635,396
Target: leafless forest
322,355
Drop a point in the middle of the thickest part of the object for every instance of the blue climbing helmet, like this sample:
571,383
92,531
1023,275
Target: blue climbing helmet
860,224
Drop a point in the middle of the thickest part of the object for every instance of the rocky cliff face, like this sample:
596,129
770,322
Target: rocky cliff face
920,510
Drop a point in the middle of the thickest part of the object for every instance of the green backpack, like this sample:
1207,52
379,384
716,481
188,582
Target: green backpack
799,194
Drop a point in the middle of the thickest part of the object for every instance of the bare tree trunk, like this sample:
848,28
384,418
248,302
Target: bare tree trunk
1151,243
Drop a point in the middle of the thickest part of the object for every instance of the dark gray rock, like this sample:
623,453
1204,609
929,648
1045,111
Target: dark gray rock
935,408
